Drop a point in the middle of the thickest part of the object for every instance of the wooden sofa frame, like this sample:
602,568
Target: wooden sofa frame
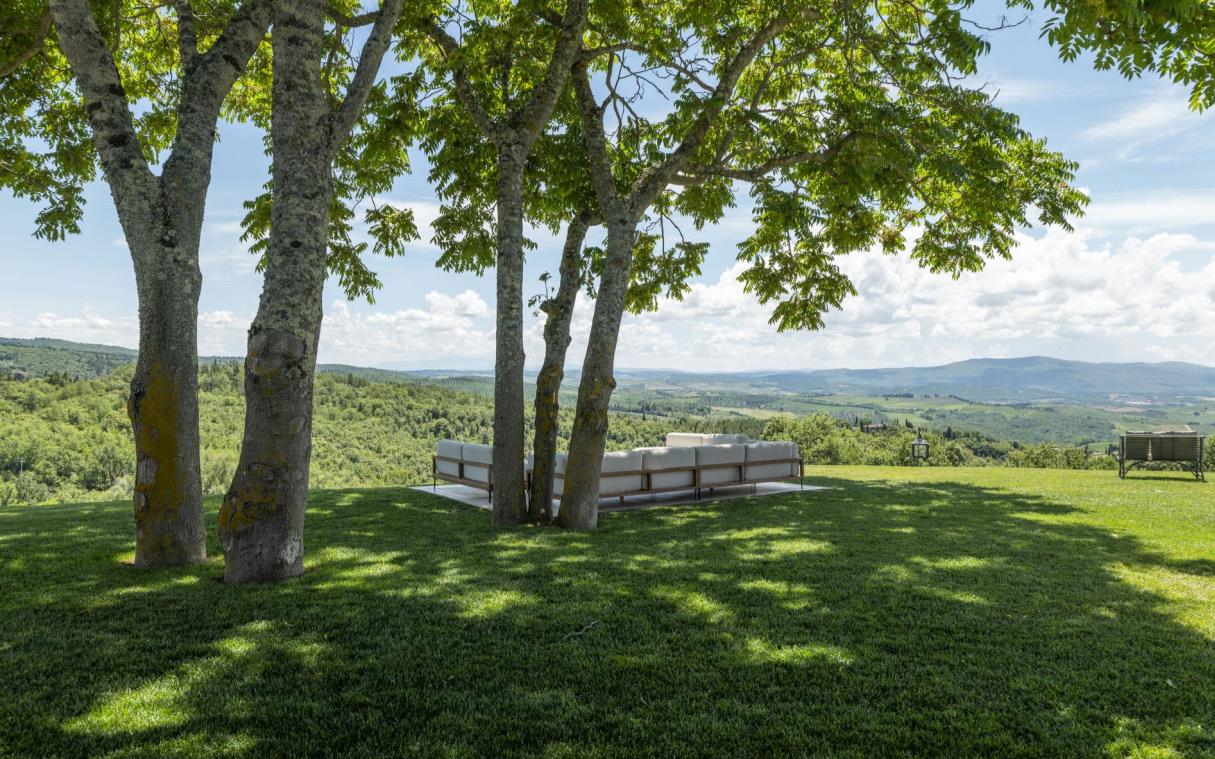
460,478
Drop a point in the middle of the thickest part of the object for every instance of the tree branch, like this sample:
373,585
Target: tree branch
651,182
569,280
603,181
187,38
464,90
116,43
207,82
694,175
342,121
105,99
341,19
35,47
530,119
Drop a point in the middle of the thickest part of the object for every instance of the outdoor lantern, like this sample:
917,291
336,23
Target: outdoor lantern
919,448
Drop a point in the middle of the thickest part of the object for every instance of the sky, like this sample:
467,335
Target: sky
1135,281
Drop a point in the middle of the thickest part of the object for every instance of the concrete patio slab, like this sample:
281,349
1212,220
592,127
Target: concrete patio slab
479,498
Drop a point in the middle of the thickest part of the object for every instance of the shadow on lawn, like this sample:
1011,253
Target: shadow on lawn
930,617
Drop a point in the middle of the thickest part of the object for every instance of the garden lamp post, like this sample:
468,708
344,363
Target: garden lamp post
919,448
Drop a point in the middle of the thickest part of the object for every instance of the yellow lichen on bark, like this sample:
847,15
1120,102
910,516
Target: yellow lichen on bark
154,417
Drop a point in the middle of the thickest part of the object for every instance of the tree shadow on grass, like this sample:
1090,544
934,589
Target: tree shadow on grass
872,618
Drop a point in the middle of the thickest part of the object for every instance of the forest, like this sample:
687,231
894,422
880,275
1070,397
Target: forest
67,439
64,439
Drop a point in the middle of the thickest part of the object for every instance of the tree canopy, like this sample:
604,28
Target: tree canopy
1174,38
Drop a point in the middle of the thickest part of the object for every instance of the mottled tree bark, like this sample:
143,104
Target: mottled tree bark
261,521
163,404
509,504
580,496
162,221
559,311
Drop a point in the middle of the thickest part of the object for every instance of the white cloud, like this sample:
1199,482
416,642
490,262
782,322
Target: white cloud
451,327
1074,296
1061,294
222,333
85,326
1144,119
1146,212
466,304
1010,91
1159,128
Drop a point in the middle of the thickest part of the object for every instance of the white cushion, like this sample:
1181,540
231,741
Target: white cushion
559,469
620,461
724,438
449,449
770,451
655,460
684,439
475,454
720,454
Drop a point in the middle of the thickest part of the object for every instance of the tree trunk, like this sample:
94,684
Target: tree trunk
559,311
262,519
508,492
580,496
162,222
163,405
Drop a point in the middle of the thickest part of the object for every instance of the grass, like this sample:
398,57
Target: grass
903,612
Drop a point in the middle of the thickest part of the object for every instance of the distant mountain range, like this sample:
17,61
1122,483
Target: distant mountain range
1029,379
1032,378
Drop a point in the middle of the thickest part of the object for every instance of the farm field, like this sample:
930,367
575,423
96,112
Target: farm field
1065,423
947,611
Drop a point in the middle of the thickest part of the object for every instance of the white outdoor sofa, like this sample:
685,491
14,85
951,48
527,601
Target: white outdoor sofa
688,462
469,464
691,462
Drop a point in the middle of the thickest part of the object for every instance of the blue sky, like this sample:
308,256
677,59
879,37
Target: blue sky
1135,282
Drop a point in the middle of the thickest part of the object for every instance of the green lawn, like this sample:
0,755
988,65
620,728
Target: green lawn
960,612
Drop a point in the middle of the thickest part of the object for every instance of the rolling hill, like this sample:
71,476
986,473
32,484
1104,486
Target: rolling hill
1028,379
1001,380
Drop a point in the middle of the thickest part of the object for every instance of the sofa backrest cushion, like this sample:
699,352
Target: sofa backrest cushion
715,456
693,439
477,458
772,452
448,449
684,439
724,439
656,460
620,461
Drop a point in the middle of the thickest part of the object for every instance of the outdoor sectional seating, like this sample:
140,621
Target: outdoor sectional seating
688,462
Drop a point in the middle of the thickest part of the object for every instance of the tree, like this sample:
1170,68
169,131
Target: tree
180,90
262,518
506,73
1175,38
558,313
851,130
